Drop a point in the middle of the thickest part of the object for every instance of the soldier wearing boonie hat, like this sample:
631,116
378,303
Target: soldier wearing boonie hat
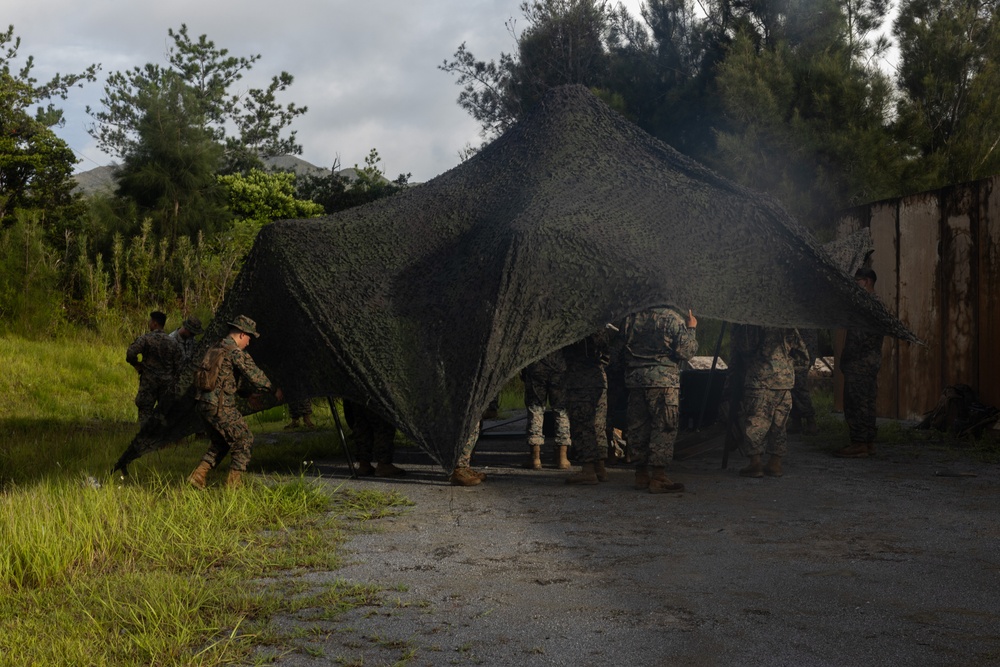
224,423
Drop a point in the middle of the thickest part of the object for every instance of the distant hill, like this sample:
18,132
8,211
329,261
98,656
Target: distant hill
101,179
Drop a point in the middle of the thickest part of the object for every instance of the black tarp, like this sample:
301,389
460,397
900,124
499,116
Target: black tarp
423,305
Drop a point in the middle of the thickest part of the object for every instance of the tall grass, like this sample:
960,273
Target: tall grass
99,570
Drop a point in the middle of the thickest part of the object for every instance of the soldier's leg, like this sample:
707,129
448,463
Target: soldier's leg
777,440
756,422
664,413
383,437
145,398
587,419
363,433
638,426
463,474
240,443
534,402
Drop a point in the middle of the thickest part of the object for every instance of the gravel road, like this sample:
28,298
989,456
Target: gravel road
888,561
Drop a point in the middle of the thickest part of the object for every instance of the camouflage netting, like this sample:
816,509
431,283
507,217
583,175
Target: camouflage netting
423,305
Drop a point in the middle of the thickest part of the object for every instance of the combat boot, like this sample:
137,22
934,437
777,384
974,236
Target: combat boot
810,428
197,478
534,461
308,422
601,470
294,424
660,483
773,466
755,469
641,477
465,477
388,470
856,450
235,479
561,461
365,469
587,475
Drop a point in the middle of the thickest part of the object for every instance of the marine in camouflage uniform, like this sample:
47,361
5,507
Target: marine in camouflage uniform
158,359
768,377
543,382
224,423
586,393
373,440
802,418
185,336
657,340
860,362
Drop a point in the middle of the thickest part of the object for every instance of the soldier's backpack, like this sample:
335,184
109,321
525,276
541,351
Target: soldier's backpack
207,374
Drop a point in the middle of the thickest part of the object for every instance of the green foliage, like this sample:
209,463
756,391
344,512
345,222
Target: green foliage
266,197
29,277
337,192
35,165
949,77
209,75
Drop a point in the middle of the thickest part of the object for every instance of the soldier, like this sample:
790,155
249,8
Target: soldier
586,390
158,368
463,474
860,362
373,437
657,340
300,409
768,378
216,405
543,382
802,418
184,336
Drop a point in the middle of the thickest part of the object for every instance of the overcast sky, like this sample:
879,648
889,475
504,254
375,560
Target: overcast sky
367,69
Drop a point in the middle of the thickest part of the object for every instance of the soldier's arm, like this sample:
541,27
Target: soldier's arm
250,372
133,352
685,339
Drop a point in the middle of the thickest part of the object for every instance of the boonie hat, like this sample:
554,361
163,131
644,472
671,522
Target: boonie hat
193,324
246,325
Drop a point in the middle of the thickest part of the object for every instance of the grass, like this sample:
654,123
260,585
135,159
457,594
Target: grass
99,570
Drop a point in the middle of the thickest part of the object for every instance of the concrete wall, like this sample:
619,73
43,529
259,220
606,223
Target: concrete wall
937,256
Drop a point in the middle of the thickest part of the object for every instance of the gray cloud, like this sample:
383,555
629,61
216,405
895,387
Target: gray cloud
367,71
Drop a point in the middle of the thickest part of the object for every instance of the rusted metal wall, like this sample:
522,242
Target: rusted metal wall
937,255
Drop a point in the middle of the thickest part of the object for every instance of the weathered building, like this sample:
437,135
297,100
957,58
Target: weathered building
937,256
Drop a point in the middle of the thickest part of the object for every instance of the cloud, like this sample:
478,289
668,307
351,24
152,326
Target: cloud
367,71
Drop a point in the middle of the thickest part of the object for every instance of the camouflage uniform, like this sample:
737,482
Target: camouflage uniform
656,341
373,435
802,407
860,362
768,377
158,370
543,381
465,456
187,345
300,408
586,392
225,424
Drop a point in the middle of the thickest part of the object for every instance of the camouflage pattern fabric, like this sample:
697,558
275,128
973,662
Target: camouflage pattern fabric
187,345
766,355
543,382
302,407
802,407
862,353
657,340
373,435
653,418
159,367
227,429
586,393
764,413
860,392
465,454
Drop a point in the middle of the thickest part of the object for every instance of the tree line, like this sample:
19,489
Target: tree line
797,98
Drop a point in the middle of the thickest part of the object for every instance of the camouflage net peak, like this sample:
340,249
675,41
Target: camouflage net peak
423,305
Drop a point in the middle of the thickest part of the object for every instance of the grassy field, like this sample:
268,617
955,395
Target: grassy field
99,570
